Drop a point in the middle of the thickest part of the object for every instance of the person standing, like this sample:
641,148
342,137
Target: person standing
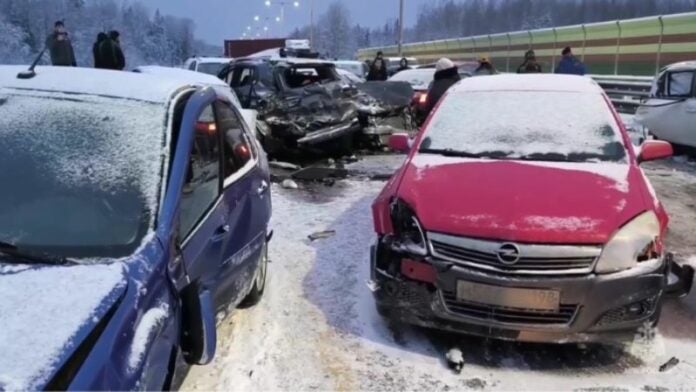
403,66
446,75
570,65
530,64
59,46
485,67
111,53
98,60
378,69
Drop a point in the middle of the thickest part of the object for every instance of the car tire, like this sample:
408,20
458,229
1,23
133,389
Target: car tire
257,290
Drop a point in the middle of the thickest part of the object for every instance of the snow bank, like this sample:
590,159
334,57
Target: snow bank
143,334
40,312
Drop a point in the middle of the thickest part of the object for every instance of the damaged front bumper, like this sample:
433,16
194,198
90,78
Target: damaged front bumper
593,308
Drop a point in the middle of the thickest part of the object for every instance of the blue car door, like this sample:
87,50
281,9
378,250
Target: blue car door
243,188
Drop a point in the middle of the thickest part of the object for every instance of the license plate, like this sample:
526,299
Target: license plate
547,300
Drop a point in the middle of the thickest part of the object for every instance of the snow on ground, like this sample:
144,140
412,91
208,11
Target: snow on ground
316,328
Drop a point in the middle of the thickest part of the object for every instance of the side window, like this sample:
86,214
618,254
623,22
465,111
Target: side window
238,149
202,186
242,77
679,84
192,67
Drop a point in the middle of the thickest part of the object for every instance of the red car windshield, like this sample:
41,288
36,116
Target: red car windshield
554,126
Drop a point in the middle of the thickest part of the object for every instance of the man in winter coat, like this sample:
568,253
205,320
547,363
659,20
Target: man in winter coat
570,64
111,54
485,67
378,69
403,66
530,64
60,47
98,60
446,75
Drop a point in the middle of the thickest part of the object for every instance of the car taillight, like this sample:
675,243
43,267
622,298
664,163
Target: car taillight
206,127
423,98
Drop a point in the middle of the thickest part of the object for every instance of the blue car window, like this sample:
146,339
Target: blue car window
238,150
202,186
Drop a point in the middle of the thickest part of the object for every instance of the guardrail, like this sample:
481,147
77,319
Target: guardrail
626,92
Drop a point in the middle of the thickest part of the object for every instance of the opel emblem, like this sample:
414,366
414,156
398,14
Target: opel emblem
508,254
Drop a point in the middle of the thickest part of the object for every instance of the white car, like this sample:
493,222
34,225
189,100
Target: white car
349,77
201,79
670,112
207,65
357,68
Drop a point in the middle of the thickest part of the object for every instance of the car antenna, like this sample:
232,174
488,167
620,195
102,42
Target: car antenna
30,73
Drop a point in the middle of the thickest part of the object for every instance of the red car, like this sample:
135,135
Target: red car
522,213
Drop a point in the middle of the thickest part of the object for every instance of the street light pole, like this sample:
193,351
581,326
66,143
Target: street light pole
401,27
311,24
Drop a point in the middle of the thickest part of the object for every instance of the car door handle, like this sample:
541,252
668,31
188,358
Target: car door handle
263,188
221,233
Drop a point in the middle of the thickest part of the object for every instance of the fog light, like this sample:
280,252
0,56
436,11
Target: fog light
634,311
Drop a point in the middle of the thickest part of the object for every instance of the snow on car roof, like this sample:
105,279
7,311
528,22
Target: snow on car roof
217,60
538,82
119,84
184,75
683,66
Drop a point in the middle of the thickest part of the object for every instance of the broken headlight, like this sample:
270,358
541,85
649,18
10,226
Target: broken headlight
636,242
409,234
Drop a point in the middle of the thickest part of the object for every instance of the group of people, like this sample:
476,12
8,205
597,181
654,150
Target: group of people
106,50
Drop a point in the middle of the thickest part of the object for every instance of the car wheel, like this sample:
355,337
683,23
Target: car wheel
254,296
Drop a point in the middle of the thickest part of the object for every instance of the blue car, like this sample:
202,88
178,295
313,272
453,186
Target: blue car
134,215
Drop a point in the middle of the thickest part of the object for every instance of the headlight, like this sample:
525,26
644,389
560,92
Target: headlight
636,242
408,231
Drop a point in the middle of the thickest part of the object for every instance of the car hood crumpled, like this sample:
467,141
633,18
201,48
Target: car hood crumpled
46,312
526,202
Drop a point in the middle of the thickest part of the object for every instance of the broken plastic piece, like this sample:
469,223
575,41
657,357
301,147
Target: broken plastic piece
674,361
322,235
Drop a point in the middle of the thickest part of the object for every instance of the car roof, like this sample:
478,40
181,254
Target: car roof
217,60
73,80
184,75
529,82
683,66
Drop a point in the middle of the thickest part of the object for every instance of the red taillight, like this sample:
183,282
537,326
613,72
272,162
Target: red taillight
423,98
419,271
206,127
242,152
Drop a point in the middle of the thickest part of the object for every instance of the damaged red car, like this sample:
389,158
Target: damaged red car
521,213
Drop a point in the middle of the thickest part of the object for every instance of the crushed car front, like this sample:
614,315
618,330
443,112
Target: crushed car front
521,215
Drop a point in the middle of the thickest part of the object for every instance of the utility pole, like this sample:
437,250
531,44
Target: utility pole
401,27
311,25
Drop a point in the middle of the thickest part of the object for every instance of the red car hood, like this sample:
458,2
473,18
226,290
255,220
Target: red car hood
526,202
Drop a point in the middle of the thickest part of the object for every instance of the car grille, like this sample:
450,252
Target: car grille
564,315
534,259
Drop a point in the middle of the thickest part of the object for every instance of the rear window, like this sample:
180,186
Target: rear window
544,126
419,79
302,76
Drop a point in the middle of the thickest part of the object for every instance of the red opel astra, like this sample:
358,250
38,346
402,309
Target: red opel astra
522,213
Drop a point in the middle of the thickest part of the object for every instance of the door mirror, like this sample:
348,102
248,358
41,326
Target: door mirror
653,150
400,142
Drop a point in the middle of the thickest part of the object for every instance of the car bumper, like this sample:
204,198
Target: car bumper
594,308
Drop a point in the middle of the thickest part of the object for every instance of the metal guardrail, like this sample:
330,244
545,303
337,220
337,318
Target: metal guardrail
626,92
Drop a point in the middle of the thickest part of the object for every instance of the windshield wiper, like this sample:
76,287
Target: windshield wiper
15,255
448,152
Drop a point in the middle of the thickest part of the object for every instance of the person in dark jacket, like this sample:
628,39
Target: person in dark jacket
59,46
111,54
98,61
403,66
570,65
446,75
485,67
378,70
530,64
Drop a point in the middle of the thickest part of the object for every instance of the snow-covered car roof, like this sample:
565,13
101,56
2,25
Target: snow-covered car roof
538,82
216,60
117,84
683,66
187,77
419,79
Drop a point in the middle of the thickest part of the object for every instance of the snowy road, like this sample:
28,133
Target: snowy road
316,328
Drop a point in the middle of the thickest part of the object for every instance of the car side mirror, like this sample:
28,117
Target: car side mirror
400,142
653,150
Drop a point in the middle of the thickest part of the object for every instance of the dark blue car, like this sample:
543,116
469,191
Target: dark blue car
134,214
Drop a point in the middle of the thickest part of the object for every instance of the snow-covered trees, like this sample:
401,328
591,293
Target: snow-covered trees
146,38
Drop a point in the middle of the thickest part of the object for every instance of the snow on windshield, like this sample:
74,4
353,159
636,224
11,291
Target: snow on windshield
40,313
419,79
536,124
91,164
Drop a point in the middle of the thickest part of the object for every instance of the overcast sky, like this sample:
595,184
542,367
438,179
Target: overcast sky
217,20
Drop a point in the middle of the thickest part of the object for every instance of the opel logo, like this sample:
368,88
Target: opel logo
509,254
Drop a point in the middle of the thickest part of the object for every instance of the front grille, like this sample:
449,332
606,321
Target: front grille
534,259
564,315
